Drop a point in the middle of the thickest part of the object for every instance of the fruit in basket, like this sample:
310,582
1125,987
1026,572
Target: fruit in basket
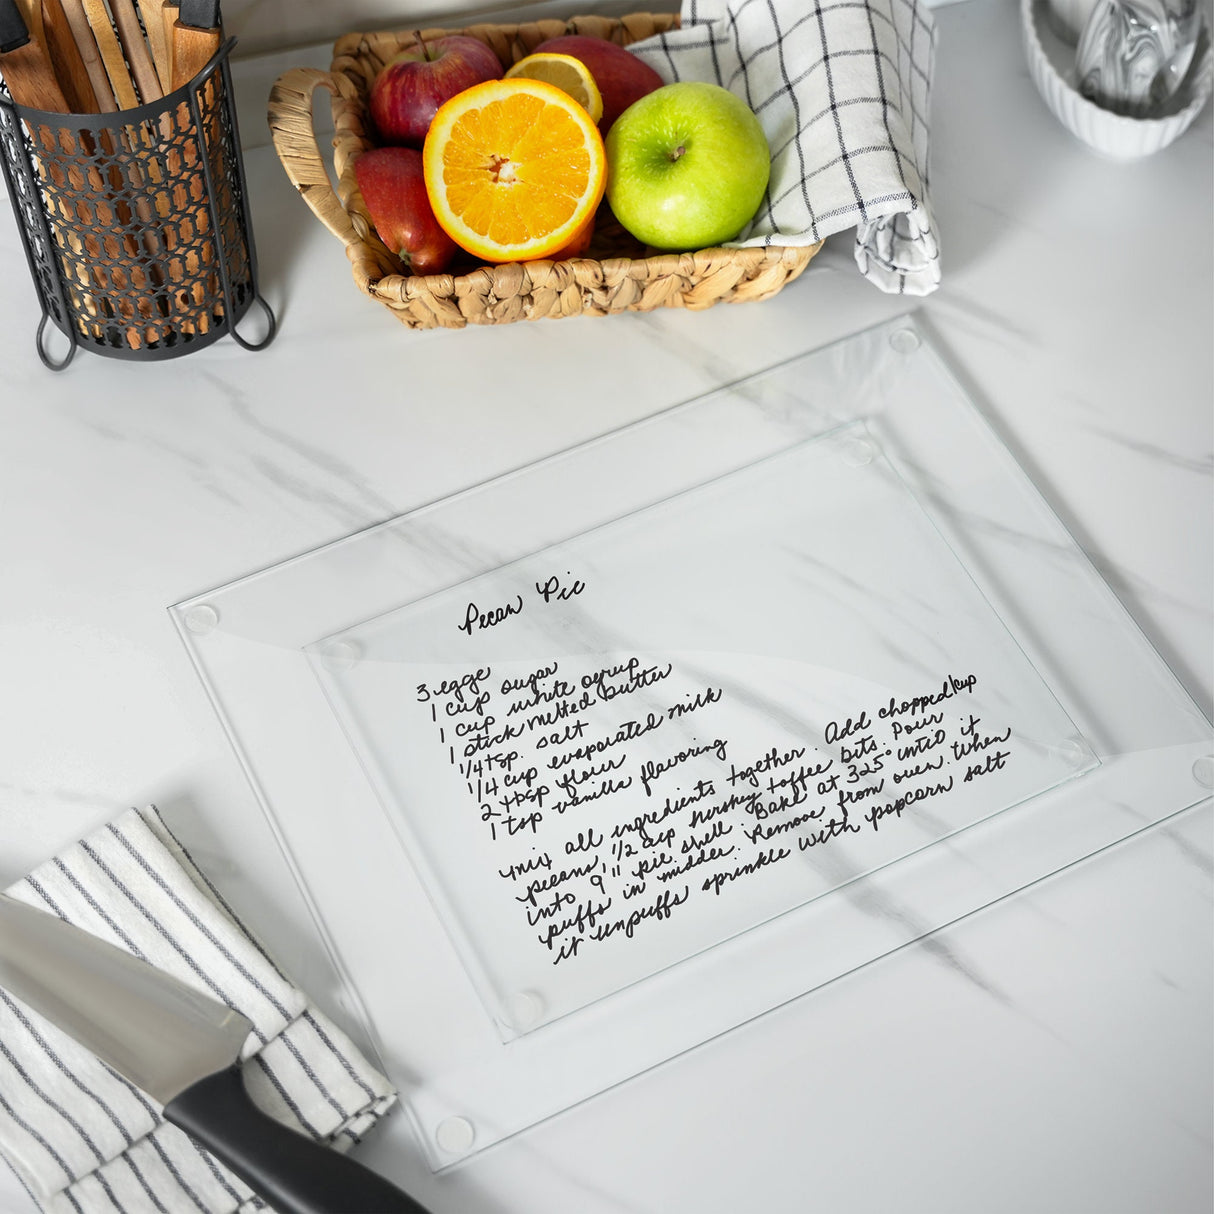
514,169
409,90
688,165
580,242
570,75
621,76
393,187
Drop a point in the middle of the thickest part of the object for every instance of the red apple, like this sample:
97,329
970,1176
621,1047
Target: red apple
406,95
621,76
394,188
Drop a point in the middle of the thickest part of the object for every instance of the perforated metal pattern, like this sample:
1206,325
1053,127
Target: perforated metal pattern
135,223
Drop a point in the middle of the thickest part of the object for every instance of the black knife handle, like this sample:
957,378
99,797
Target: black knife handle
295,1174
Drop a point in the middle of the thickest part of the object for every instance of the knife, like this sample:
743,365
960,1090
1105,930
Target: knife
24,65
196,38
183,1049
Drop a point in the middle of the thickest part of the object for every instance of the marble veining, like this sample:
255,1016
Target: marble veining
934,943
1037,1056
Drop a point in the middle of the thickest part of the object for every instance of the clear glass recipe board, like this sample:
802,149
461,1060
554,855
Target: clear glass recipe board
653,736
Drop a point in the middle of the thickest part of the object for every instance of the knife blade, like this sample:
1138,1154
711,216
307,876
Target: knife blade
182,1048
24,65
196,38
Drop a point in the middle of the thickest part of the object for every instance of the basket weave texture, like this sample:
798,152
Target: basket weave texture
615,275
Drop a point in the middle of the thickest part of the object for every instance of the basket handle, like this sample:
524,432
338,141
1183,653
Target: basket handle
290,114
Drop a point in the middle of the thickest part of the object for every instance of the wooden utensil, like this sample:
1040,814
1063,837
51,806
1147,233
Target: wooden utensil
153,27
60,41
86,44
31,81
111,54
27,71
138,57
196,38
31,14
169,13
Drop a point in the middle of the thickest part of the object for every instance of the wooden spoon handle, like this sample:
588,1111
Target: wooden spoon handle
86,44
31,79
111,54
130,34
64,53
153,25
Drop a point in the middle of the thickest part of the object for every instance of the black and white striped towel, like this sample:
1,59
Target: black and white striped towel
83,1140
842,89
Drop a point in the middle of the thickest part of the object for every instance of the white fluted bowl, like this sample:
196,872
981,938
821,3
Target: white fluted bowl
1051,64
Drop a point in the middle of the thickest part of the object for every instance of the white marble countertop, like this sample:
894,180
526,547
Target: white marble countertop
1052,1053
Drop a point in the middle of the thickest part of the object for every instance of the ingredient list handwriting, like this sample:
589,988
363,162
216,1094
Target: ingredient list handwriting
617,797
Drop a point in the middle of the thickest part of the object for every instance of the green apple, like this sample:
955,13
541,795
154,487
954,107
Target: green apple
687,166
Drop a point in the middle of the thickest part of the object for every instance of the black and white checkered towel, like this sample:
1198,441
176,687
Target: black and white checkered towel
842,89
84,1140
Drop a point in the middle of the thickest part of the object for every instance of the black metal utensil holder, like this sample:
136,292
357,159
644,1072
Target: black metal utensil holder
136,224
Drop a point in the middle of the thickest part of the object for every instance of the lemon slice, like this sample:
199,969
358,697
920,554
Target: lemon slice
568,74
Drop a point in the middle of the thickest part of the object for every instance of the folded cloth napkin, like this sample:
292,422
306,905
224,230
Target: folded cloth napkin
842,90
83,1139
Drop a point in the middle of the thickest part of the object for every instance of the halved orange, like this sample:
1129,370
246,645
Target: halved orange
514,169
570,75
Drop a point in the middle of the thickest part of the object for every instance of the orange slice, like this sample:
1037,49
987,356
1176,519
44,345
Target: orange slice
570,75
514,169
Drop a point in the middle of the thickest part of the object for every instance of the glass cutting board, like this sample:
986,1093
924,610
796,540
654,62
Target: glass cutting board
647,739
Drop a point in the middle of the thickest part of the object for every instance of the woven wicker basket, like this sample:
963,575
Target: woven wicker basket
616,275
